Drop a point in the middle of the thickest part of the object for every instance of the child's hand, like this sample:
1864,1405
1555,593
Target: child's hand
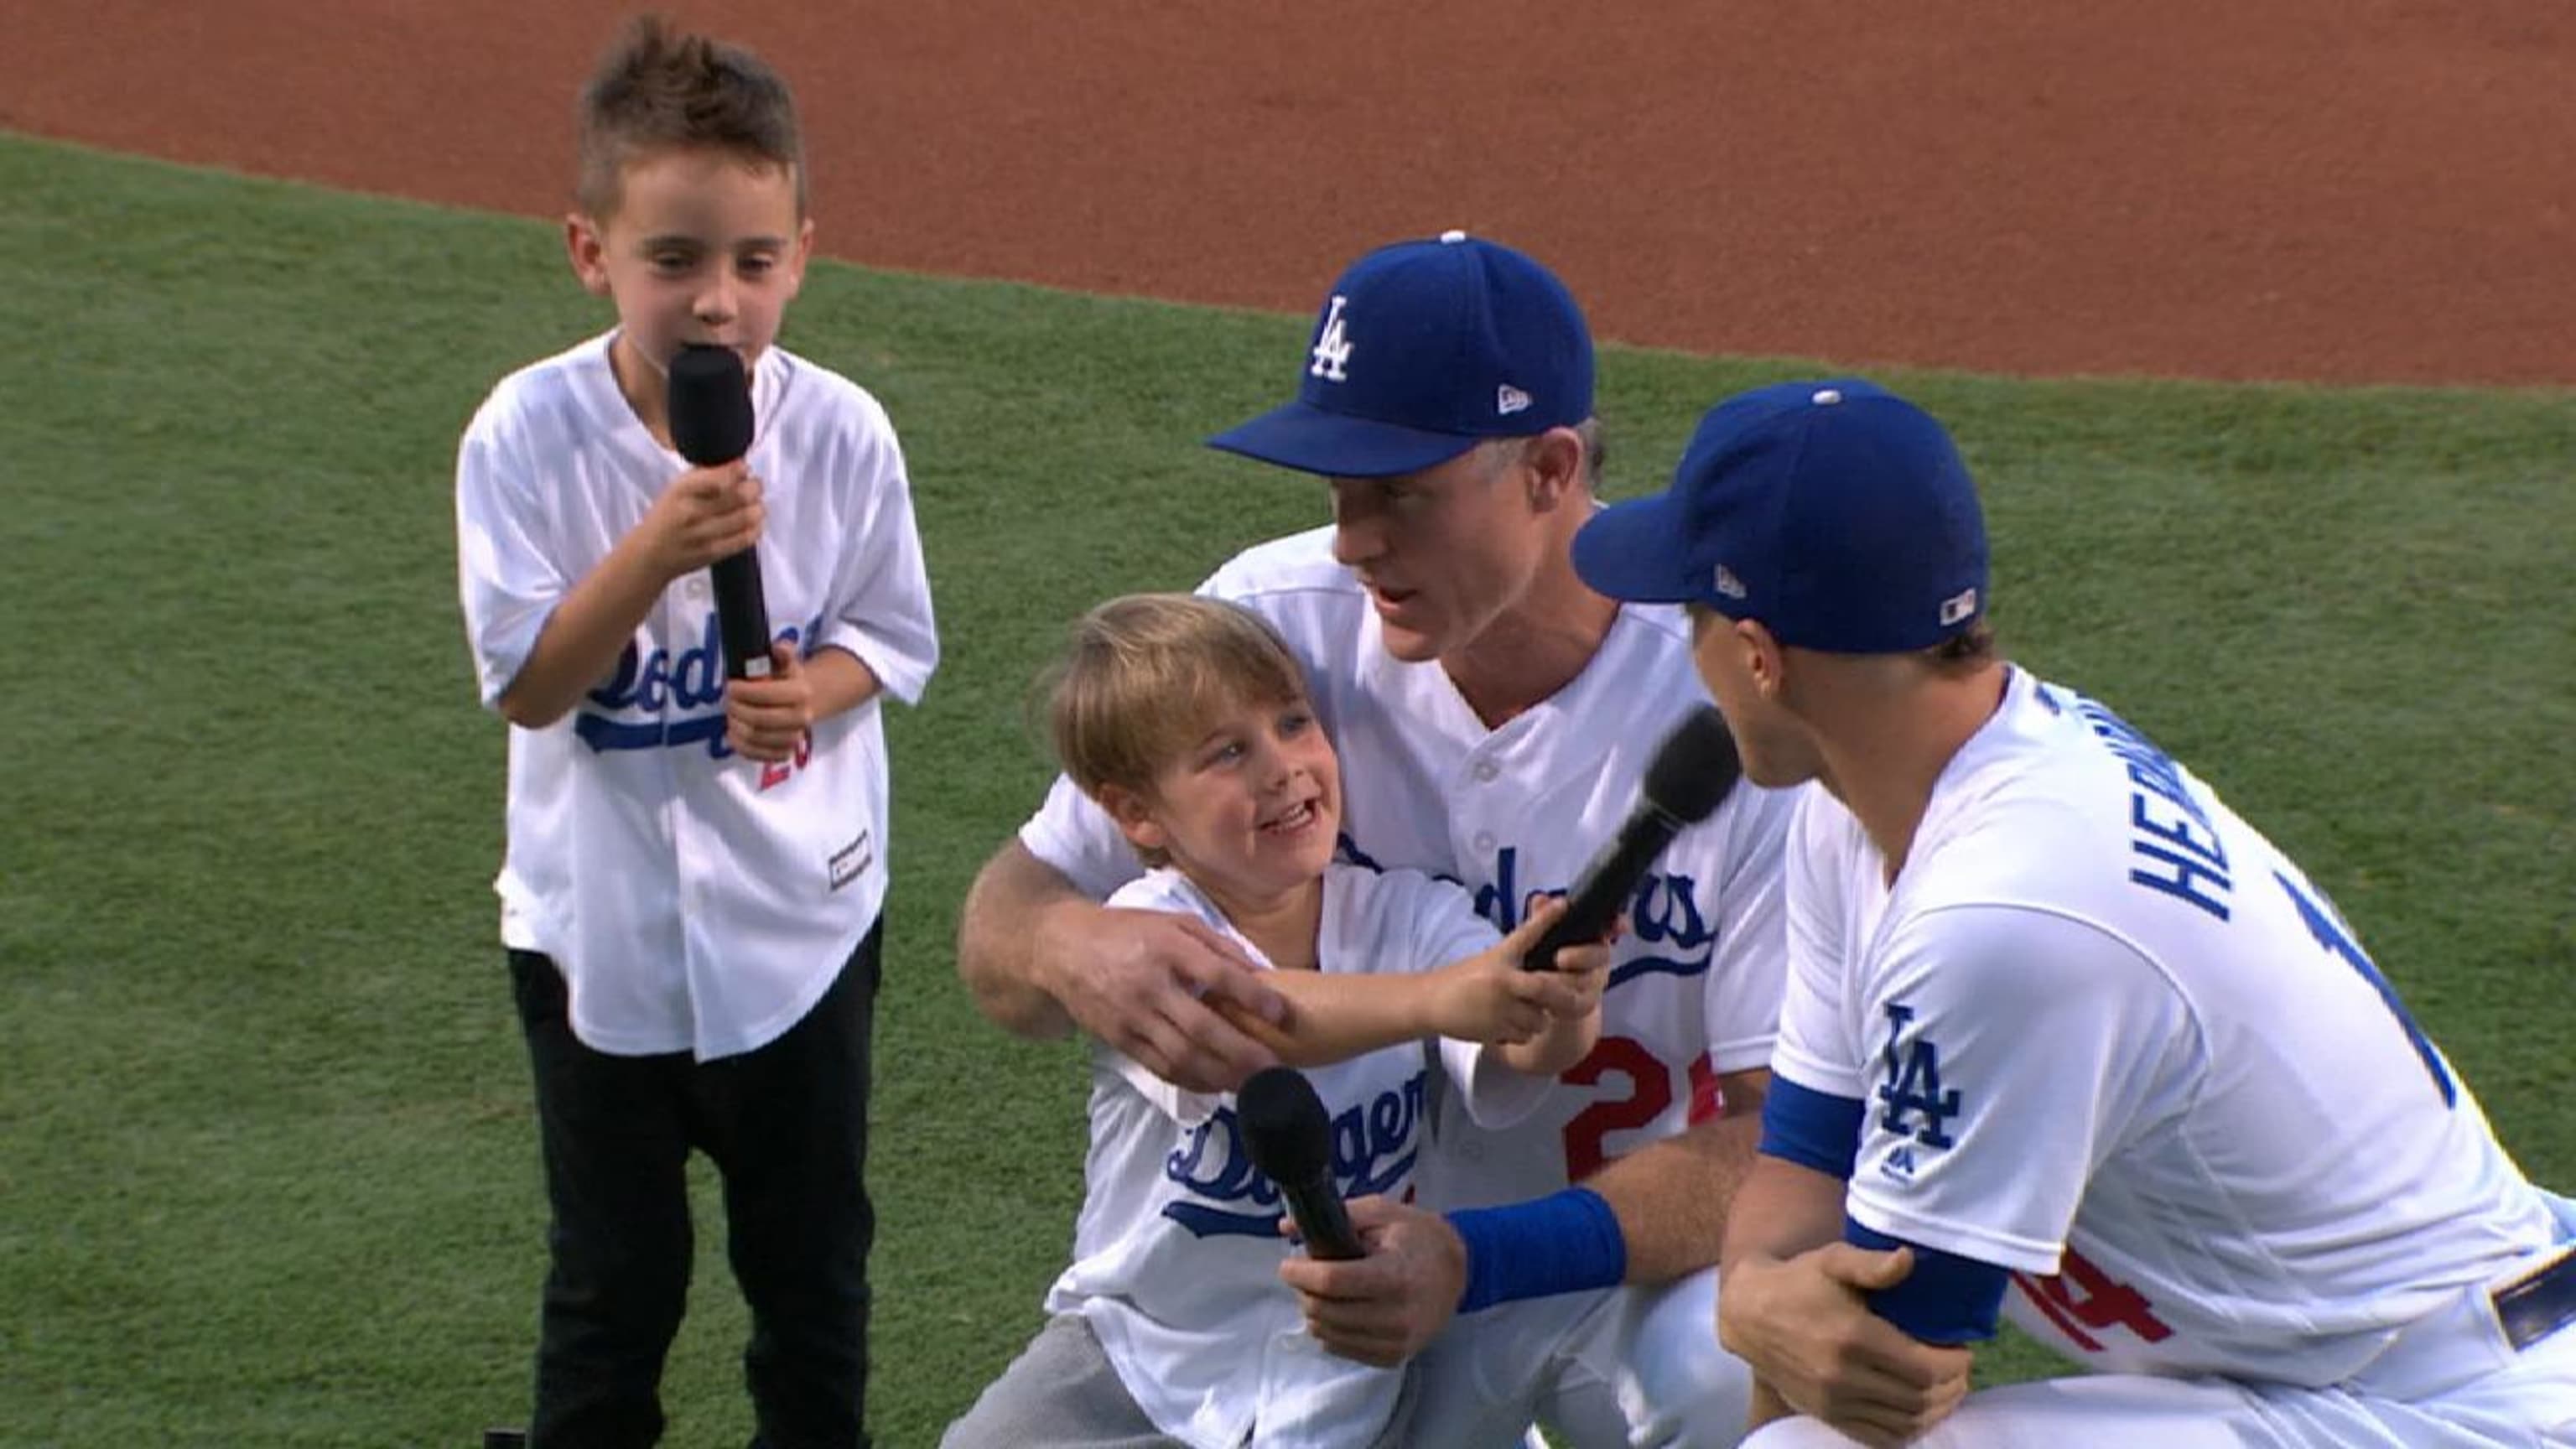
1489,998
766,718
1573,993
1486,998
704,515
1585,970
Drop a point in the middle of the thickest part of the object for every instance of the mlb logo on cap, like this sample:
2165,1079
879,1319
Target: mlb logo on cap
1422,350
1836,513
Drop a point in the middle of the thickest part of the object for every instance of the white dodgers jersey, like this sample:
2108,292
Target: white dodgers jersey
1515,812
1177,1249
2106,1036
694,900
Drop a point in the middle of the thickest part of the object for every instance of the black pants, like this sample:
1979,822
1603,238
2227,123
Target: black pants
787,1127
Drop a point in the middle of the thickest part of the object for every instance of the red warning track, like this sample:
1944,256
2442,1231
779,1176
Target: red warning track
2337,190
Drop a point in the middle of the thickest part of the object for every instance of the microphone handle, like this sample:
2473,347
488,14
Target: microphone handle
1322,1221
742,615
1604,886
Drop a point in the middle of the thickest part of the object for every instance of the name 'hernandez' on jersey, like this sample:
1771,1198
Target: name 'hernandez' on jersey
1513,812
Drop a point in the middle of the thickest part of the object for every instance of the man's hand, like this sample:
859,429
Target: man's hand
1160,987
765,719
1804,1326
704,515
1386,1307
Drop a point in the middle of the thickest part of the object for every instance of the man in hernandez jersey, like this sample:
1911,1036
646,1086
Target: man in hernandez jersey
2063,1037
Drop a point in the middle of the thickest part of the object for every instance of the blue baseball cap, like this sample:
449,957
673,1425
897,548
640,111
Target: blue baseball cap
1835,513
1423,350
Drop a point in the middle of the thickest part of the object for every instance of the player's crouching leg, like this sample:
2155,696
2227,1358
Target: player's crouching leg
1628,1368
1678,1388
1492,1371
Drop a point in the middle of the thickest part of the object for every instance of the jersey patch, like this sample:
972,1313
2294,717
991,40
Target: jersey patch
1911,1085
852,860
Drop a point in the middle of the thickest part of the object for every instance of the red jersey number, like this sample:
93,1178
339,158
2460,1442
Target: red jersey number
1650,1091
2104,1303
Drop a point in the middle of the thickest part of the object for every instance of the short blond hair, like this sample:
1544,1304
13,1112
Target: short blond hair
1143,677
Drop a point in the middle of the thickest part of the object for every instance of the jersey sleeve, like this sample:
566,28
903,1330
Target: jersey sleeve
506,579
1189,1109
1748,972
881,589
2019,1048
1814,1049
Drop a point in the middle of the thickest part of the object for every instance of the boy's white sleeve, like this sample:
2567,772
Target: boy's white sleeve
1073,834
2017,1046
1189,1109
505,578
1185,1107
882,589
1748,969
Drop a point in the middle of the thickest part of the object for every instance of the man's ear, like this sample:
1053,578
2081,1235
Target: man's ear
587,250
1555,460
1134,816
1763,658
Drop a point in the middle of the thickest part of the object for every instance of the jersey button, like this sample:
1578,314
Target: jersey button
1484,842
1485,771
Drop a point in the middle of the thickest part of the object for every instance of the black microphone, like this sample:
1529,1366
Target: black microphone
710,416
1691,772
1291,1141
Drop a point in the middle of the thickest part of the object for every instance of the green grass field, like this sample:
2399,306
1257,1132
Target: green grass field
267,1169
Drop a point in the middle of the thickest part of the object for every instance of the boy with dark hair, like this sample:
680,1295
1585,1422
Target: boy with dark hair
696,866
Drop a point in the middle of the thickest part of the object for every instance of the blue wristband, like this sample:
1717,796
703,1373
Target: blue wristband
1563,1243
1946,1299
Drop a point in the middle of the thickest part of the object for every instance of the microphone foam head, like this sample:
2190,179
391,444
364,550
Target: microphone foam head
1284,1127
710,405
1694,767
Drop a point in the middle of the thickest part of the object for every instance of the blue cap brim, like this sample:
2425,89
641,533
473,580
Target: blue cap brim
1637,551
1336,445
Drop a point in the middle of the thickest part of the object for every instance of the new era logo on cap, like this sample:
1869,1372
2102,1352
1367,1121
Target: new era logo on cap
1422,350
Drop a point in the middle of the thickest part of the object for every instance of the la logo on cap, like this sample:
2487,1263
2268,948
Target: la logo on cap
1333,344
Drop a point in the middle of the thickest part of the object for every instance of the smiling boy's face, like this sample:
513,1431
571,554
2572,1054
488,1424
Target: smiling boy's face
1251,811
704,246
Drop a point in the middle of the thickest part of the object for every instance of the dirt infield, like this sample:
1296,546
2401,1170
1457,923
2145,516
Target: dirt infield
2338,190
